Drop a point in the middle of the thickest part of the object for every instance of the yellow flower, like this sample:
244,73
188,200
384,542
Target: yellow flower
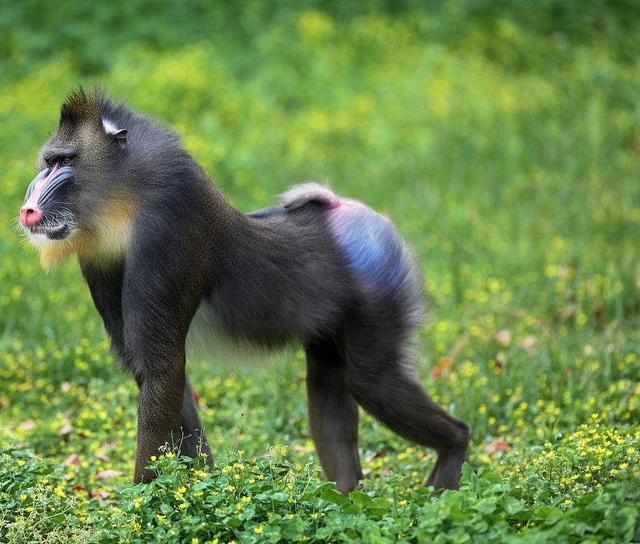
59,492
258,530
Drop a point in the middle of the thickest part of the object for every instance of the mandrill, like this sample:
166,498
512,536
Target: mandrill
164,254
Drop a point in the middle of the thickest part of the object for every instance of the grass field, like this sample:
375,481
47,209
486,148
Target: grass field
503,141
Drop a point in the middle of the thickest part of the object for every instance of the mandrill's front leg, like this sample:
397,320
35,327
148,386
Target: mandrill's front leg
162,384
166,409
155,327
192,427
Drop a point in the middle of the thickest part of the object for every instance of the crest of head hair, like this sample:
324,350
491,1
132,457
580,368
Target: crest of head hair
80,106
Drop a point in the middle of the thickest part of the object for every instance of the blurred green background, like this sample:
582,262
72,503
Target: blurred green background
503,139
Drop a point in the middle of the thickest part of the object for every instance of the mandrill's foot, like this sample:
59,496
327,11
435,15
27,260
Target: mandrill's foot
446,473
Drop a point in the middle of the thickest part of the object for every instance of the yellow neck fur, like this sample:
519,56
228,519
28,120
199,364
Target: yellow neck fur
107,241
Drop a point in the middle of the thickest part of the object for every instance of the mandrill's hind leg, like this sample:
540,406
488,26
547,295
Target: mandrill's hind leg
333,415
379,380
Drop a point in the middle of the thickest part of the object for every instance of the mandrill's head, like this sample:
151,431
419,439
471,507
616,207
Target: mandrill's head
79,200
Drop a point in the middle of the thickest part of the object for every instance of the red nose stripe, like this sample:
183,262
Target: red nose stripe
30,216
32,202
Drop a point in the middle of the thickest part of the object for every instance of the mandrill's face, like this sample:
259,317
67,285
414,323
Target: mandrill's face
58,200
48,213
73,205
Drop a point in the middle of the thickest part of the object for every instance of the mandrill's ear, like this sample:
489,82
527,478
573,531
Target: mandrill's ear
120,136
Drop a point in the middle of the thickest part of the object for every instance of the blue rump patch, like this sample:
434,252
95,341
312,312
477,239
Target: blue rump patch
371,245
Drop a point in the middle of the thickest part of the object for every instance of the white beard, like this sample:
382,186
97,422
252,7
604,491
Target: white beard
41,240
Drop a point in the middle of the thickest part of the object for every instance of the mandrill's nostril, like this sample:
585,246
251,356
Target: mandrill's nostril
30,216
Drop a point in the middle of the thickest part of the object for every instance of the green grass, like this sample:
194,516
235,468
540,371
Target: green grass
505,146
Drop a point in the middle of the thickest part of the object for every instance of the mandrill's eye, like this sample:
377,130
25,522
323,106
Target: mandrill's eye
66,161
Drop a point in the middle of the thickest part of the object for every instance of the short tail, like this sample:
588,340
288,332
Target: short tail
380,261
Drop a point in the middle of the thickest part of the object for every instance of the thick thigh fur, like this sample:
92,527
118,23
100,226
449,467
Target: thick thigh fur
381,379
